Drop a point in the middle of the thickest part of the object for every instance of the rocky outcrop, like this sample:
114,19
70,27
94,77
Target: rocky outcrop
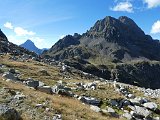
7,113
145,74
8,47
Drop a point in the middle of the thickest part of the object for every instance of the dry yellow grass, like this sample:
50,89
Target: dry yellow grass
70,108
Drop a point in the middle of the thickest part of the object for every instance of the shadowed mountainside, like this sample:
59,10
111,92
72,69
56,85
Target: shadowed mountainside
114,44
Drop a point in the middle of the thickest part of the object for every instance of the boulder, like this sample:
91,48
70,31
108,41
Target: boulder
90,100
64,92
140,112
33,83
12,71
135,101
110,110
9,75
128,116
19,97
46,89
131,96
41,84
150,105
56,88
124,103
114,103
7,113
95,108
57,117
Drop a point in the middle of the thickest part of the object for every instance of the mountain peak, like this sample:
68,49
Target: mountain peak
29,45
29,42
112,29
3,36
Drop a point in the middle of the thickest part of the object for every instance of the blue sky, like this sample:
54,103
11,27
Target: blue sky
46,21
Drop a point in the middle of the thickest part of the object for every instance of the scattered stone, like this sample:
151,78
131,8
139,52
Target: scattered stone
89,100
56,88
131,96
104,110
32,83
12,71
95,108
19,97
47,109
150,105
128,116
39,105
114,103
64,92
135,101
41,84
156,118
57,117
124,103
10,76
110,110
7,113
46,89
140,112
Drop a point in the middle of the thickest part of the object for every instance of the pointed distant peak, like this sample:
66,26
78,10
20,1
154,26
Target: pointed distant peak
2,35
29,41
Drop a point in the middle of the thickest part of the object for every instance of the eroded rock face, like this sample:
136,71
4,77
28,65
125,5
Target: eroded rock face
107,41
7,113
144,74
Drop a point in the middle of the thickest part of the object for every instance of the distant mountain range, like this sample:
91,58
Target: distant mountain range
29,45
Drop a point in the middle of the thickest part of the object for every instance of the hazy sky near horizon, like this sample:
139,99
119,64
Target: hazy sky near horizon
46,21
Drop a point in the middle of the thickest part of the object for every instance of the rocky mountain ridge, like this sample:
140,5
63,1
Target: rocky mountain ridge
117,45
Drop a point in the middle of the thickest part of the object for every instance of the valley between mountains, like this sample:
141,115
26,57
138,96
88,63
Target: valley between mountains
110,72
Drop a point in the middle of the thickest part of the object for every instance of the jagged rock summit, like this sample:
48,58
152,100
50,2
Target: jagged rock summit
110,38
113,49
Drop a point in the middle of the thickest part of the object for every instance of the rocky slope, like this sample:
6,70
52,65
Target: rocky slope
109,43
29,45
51,90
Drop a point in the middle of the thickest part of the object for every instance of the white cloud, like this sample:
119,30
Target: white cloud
152,3
8,25
39,42
124,7
22,32
156,27
15,40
